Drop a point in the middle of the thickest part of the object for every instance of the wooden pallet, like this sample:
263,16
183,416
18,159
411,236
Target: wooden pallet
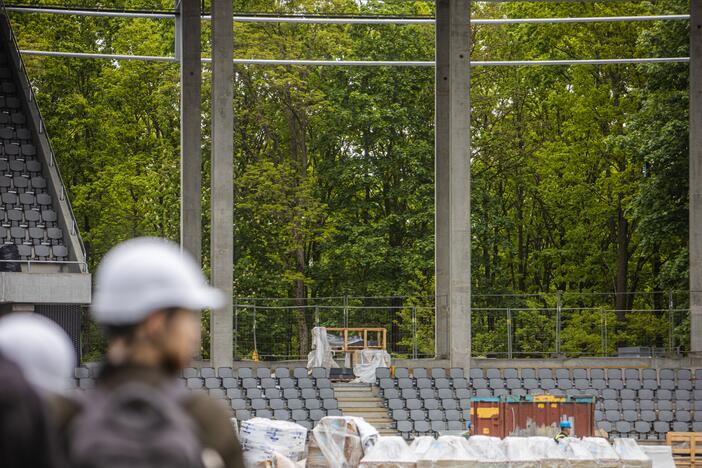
687,448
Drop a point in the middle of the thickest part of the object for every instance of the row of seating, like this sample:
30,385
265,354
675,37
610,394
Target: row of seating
14,134
27,218
14,118
26,150
20,184
560,374
31,236
20,167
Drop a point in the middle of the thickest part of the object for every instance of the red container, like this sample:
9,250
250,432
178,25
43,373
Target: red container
526,418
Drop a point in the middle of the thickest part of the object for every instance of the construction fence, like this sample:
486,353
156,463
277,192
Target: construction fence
502,325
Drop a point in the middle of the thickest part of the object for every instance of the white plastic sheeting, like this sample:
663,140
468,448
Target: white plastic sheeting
602,452
342,441
577,453
448,452
389,452
547,451
489,451
321,354
631,455
420,445
519,453
265,440
661,455
368,360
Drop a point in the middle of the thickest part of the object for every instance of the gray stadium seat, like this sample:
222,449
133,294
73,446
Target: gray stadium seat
243,414
420,373
459,382
438,426
401,373
414,393
281,372
213,382
597,374
417,415
605,425
493,373
237,403
300,373
308,393
273,394
666,374
404,427
475,373
665,415
438,373
627,394
545,374
562,374
290,393
254,393
456,373
679,426
431,403
295,404
287,382
319,373
400,415
282,414
382,373
421,427
317,414
510,373
413,404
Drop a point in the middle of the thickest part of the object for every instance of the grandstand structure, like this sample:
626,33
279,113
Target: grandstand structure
47,273
637,397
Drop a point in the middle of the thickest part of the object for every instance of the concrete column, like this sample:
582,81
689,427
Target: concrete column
695,207
222,231
453,178
188,31
441,179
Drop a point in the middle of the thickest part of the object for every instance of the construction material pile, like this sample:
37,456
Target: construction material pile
349,442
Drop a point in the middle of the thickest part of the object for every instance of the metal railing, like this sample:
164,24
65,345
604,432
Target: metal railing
502,325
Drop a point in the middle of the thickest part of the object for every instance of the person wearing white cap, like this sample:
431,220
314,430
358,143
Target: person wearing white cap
147,298
41,349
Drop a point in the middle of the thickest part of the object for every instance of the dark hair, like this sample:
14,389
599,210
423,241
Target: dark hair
27,438
127,332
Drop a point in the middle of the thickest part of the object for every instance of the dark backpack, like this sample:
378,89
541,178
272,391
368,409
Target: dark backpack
134,426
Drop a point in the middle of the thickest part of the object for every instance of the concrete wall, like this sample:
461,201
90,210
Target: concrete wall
45,288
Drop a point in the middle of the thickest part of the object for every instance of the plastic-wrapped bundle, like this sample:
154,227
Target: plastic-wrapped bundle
661,455
340,441
261,439
548,452
389,452
420,445
489,450
518,453
577,453
603,453
448,452
631,455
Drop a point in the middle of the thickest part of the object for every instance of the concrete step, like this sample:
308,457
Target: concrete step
360,404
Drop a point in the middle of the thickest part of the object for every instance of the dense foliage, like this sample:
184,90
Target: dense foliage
579,173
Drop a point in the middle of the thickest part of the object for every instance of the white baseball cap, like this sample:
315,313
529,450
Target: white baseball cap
144,275
41,349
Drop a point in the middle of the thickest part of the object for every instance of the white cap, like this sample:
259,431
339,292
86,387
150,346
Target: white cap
41,349
141,276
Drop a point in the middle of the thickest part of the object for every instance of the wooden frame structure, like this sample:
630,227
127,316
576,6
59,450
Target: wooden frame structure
382,338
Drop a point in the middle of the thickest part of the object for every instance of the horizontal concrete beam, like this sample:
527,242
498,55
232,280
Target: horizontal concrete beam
45,288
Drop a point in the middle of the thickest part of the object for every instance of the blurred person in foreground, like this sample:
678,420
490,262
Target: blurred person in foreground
147,298
35,372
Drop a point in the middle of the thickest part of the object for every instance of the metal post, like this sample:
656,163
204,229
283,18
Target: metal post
559,302
236,332
509,334
695,175
414,332
603,338
188,32
671,322
253,329
346,311
222,230
453,179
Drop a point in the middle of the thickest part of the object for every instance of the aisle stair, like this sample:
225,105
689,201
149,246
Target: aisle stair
363,400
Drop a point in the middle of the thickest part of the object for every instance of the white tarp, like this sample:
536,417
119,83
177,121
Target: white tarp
548,452
631,455
489,450
661,455
420,445
342,441
577,453
603,453
367,361
321,354
448,452
389,452
518,452
261,439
